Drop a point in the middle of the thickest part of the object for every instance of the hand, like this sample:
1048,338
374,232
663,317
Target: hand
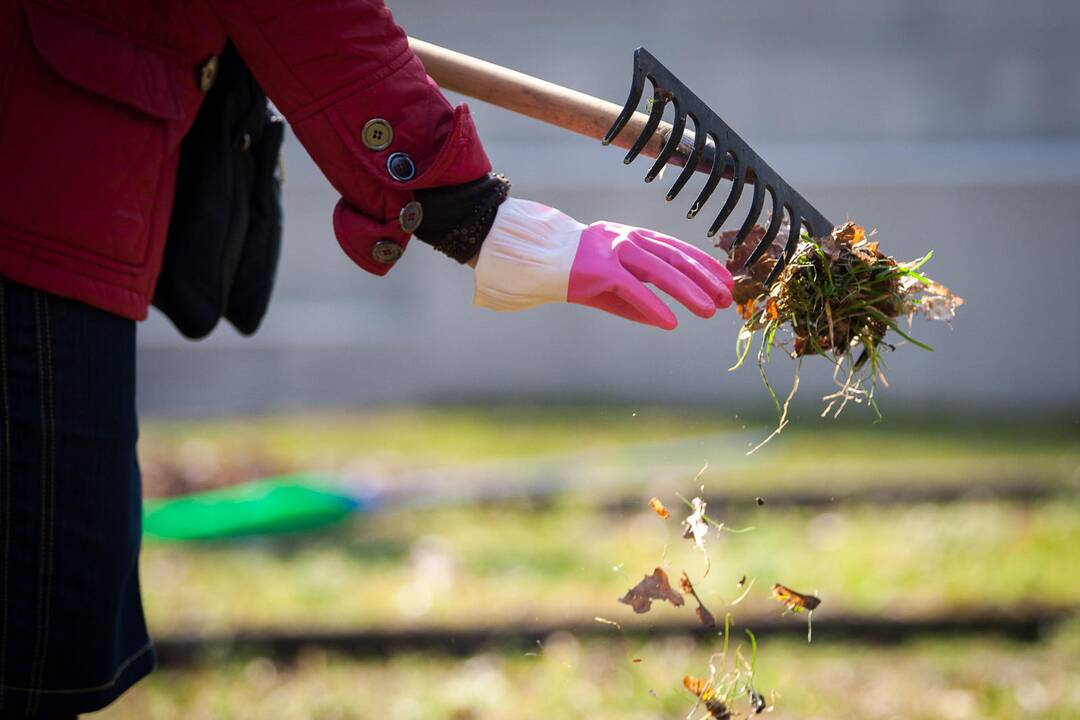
535,254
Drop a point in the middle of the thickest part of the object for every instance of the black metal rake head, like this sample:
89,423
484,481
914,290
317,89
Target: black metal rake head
715,148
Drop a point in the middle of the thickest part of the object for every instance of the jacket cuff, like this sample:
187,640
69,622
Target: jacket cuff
430,145
374,246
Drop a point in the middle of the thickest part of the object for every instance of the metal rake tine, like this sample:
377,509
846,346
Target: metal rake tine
733,197
751,219
637,87
819,227
655,114
770,234
672,142
720,164
720,140
691,162
794,231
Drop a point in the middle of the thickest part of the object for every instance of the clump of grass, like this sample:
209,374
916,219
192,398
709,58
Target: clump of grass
838,297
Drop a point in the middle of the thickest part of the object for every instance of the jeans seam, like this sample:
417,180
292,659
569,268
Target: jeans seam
41,555
37,672
103,686
5,487
51,488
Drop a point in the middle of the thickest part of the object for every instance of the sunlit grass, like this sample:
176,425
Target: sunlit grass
570,679
466,566
567,561
619,445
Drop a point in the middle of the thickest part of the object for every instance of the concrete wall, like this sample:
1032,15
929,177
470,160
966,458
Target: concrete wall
952,126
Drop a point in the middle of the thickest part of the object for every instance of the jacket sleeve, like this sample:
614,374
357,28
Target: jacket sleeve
331,68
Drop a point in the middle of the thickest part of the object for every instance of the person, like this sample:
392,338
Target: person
95,99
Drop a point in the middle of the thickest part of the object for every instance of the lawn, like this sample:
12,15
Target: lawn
609,446
570,679
431,559
567,563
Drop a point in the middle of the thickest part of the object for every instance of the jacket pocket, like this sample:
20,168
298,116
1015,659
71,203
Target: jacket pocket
93,122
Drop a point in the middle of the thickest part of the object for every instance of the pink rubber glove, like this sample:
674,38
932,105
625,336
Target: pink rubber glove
535,255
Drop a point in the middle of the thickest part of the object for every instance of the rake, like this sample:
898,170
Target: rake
712,147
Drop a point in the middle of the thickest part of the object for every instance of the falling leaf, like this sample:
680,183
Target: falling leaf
794,601
707,696
635,660
759,500
797,602
703,615
742,581
685,585
659,509
696,526
652,587
697,686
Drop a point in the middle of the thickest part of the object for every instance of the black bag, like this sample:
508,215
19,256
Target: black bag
225,232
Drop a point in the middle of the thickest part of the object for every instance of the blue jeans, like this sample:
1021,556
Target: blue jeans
72,633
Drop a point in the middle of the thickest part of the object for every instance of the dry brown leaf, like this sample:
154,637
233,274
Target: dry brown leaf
794,601
697,686
771,310
746,308
938,302
685,585
659,509
707,695
703,615
652,587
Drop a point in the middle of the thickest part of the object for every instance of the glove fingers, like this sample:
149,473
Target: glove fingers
652,309
688,265
708,261
647,267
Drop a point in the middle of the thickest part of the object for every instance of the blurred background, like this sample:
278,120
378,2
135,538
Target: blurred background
510,457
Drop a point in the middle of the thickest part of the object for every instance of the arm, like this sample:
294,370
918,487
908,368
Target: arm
332,68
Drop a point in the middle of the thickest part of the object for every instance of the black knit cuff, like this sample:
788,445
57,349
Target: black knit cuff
457,218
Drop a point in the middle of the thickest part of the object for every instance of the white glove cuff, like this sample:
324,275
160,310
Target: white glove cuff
526,257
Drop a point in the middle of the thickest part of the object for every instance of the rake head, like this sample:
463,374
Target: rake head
713,147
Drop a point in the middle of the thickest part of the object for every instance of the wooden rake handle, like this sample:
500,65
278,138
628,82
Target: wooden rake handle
536,98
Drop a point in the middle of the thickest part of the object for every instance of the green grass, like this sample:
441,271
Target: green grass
625,446
409,438
566,678
569,561
467,565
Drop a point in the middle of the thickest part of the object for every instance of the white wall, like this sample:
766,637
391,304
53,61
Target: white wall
950,126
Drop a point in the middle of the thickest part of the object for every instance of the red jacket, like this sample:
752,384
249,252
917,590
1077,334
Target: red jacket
95,96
